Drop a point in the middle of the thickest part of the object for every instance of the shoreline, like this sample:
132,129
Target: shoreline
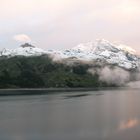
43,91
59,89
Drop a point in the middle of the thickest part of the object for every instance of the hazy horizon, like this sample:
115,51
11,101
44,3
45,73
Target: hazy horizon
59,24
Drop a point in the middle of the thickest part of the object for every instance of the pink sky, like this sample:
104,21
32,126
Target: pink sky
58,24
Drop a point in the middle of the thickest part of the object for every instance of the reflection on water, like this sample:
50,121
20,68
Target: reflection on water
81,95
129,124
76,95
114,115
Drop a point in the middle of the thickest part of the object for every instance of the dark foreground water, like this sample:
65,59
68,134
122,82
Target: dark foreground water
93,115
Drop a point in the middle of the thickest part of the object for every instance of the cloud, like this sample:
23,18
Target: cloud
22,38
116,75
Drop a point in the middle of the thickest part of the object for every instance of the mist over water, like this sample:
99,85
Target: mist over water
135,84
116,75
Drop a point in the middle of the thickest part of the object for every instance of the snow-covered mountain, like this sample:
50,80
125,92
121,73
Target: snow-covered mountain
100,50
120,55
24,50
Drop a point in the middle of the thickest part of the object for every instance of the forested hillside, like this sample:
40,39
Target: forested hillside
42,72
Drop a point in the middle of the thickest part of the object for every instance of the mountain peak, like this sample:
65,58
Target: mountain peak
98,45
104,45
101,45
27,45
101,49
84,47
102,41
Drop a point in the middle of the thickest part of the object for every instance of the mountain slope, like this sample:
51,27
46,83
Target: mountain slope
100,50
122,56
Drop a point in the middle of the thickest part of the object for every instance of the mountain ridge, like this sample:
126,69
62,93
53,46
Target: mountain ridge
113,54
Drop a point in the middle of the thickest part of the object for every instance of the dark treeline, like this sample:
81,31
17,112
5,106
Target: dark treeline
42,72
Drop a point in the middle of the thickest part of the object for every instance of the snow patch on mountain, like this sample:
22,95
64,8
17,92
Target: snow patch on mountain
24,50
126,49
104,50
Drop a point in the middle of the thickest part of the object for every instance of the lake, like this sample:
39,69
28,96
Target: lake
88,115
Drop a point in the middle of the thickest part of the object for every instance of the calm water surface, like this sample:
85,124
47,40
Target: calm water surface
93,115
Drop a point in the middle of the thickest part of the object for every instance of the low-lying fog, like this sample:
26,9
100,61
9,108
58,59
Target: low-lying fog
135,84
